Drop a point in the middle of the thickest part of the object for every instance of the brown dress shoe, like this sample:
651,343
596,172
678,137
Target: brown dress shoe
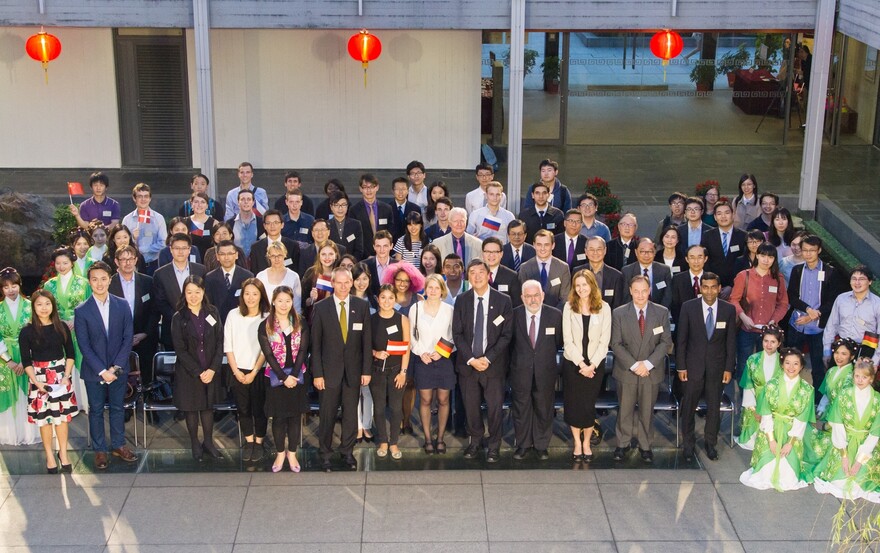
125,454
101,460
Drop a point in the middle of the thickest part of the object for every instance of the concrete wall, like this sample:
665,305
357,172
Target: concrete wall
860,93
69,122
860,19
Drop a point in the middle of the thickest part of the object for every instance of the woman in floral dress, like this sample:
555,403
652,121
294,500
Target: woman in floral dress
760,368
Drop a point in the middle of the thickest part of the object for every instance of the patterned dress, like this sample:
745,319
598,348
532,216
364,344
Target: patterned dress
76,292
836,379
856,431
14,427
786,407
754,378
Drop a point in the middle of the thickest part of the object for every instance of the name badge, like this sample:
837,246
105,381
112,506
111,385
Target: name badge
392,329
734,248
224,361
551,226
660,285
357,326
821,276
658,330
721,325
210,320
107,213
288,261
383,221
581,256
148,233
498,320
550,331
672,327
351,237
772,289
609,292
556,282
192,258
303,230
170,359
503,288
206,232
676,269
260,237
145,298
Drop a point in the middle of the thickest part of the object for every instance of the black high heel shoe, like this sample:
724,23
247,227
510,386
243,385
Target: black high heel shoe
53,470
211,451
68,468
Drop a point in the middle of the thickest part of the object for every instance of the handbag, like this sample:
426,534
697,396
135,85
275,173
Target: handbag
275,382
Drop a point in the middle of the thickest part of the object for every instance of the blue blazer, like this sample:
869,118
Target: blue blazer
100,349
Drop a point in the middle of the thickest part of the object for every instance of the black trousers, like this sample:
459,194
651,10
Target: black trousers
386,397
474,387
251,402
532,409
286,428
330,399
700,386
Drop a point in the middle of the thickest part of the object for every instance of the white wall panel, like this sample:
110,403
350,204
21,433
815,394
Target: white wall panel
860,19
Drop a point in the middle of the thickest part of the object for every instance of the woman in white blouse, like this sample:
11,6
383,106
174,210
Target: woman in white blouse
277,274
246,360
431,323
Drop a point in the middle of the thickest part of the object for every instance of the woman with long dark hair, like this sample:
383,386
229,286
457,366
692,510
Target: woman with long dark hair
409,246
782,231
746,206
200,223
15,313
437,190
119,237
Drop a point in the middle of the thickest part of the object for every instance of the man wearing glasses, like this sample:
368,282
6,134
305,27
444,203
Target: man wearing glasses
147,227
168,282
501,278
223,284
587,205
622,250
691,232
273,224
854,313
373,214
476,198
418,192
135,288
343,230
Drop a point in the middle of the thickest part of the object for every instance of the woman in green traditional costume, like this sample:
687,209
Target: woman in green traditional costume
69,290
760,368
99,241
851,467
15,313
786,407
838,376
81,241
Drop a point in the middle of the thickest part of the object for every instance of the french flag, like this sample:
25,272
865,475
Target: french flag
324,284
492,224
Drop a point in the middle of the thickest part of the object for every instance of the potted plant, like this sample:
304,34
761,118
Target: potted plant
703,75
552,71
732,62
530,58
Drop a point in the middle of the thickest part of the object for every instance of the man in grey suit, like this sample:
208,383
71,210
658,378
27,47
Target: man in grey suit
459,242
640,339
658,274
553,274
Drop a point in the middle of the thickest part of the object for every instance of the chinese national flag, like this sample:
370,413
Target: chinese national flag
75,189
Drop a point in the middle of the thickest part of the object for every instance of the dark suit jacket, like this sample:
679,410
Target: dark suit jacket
258,260
682,291
101,349
398,224
374,274
612,284
614,255
560,249
499,331
553,219
359,212
352,237
683,236
507,282
166,292
724,267
558,280
661,289
834,285
225,300
527,252
538,364
630,346
307,255
146,317
702,357
341,363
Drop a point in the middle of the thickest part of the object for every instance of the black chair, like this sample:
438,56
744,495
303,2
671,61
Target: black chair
163,376
666,400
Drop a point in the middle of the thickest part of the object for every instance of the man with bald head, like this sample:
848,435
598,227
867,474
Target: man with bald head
658,274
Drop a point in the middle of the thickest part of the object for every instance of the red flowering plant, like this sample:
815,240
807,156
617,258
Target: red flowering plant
50,272
609,204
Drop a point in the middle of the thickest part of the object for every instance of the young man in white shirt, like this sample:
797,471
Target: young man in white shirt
476,198
493,219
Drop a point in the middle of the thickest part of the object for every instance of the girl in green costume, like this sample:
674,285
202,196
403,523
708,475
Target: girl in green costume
81,241
786,407
15,313
760,368
839,376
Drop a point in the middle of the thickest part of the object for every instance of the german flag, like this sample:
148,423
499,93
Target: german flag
444,347
869,345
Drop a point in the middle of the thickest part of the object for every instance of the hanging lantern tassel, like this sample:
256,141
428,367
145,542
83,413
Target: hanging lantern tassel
666,45
364,47
43,47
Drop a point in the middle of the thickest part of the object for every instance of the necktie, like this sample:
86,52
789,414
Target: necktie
710,324
541,218
543,275
373,222
516,260
645,272
533,332
459,249
343,321
724,242
570,252
642,321
478,329
491,278
228,282
402,217
696,286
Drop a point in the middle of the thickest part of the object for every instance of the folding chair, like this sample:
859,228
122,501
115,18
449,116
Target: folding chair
666,400
163,373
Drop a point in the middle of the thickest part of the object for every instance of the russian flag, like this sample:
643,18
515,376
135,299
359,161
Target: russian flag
444,347
492,224
324,284
397,348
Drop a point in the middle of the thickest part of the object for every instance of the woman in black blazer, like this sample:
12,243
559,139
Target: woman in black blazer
197,335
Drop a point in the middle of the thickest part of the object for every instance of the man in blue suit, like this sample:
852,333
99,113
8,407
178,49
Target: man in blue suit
103,327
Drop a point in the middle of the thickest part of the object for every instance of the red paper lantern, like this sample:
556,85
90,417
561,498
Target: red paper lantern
364,47
43,48
666,45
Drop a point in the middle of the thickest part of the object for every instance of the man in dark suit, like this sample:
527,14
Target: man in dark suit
692,230
341,363
293,182
686,284
103,327
621,251
482,329
344,230
373,214
273,223
380,260
401,207
705,359
553,274
537,337
223,284
640,339
570,245
516,251
168,283
724,245
609,279
542,215
501,278
308,252
658,274
136,289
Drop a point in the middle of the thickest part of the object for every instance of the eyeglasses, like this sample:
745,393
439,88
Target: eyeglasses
492,251
276,256
693,210
586,205
573,221
484,175
125,259
341,205
369,185
858,279
180,248
415,173
271,223
805,249
401,280
627,225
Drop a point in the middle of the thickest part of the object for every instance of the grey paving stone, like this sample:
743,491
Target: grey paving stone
171,548
651,476
552,547
302,514
425,478
7,481
78,480
350,478
672,512
74,516
192,515
297,548
408,547
807,515
54,549
729,466
583,476
219,479
680,547
413,513
787,547
545,512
